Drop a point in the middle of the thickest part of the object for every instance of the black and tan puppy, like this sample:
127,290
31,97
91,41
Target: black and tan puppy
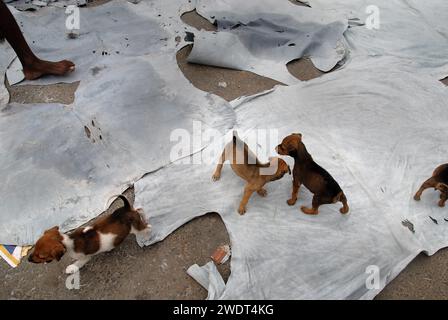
247,166
438,181
315,178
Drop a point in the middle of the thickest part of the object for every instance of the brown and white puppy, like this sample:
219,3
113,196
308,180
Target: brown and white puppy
438,181
83,243
315,178
247,166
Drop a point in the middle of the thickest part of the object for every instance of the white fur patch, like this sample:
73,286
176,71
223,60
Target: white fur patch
87,229
106,242
67,242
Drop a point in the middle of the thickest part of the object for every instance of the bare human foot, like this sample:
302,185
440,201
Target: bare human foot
40,68
33,67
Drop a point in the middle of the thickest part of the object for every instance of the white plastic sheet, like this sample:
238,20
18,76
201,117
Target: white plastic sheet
61,163
209,278
378,126
115,30
376,143
411,30
263,36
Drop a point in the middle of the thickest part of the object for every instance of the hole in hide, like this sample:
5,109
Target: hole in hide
303,69
226,83
87,131
445,81
299,3
192,18
63,93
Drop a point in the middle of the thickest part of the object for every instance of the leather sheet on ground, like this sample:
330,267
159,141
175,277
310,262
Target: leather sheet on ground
377,124
263,36
61,163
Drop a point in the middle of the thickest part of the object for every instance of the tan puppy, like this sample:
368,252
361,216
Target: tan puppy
438,181
83,243
247,166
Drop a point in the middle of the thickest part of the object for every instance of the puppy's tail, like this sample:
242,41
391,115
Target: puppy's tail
127,205
235,136
342,198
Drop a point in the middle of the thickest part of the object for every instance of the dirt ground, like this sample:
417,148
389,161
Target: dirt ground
159,271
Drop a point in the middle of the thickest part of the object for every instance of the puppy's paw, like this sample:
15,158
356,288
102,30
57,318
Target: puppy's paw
417,197
71,269
343,210
241,210
216,177
291,201
262,192
308,210
145,234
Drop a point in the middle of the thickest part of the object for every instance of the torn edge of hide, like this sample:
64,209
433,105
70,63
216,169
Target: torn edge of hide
209,278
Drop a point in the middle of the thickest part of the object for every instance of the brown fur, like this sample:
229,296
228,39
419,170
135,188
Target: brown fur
438,181
315,178
87,240
247,166
49,247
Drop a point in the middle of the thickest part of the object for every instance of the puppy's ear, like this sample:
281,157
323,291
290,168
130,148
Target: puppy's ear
293,145
54,229
58,251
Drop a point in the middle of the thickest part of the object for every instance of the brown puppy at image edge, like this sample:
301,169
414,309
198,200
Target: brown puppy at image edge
315,178
247,166
438,181
83,243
